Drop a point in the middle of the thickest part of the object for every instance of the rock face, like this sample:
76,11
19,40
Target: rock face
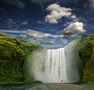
13,55
87,56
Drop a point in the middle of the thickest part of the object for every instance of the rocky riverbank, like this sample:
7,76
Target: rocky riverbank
47,87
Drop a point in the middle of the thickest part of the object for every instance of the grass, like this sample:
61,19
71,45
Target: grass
13,54
87,56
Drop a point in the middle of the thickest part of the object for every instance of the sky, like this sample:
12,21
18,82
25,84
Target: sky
52,23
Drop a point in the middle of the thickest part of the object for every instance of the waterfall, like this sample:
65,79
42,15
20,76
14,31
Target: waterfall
49,66
74,63
56,65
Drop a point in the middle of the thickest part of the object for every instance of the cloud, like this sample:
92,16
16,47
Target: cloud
38,35
70,30
73,16
25,22
91,3
88,6
57,12
42,38
10,22
34,34
42,2
17,3
12,31
40,22
74,28
20,4
22,36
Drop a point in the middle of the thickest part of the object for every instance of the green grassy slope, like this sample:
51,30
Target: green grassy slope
87,55
13,54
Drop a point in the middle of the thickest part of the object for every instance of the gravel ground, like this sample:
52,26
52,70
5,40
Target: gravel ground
47,87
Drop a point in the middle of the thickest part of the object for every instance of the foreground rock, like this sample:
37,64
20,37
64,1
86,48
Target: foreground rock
48,87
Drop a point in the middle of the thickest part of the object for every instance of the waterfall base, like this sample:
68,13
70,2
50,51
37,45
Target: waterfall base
55,65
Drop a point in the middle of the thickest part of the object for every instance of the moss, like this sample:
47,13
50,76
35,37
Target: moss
13,54
88,71
87,56
86,52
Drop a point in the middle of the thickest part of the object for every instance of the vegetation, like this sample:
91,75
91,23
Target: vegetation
13,54
87,55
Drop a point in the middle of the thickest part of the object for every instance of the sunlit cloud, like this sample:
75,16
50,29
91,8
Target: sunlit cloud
57,12
74,28
35,34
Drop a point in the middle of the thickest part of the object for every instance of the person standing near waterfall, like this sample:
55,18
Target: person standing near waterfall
61,80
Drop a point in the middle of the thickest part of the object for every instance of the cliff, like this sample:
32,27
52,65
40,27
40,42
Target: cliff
87,56
13,54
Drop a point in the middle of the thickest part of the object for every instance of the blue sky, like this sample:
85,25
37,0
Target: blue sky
17,17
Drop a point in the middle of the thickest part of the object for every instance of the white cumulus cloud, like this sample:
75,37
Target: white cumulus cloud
74,28
57,12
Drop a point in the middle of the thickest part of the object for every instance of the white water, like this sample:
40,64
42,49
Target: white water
74,63
55,65
55,68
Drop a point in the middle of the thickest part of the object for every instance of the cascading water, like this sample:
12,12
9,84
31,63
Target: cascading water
49,65
56,65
